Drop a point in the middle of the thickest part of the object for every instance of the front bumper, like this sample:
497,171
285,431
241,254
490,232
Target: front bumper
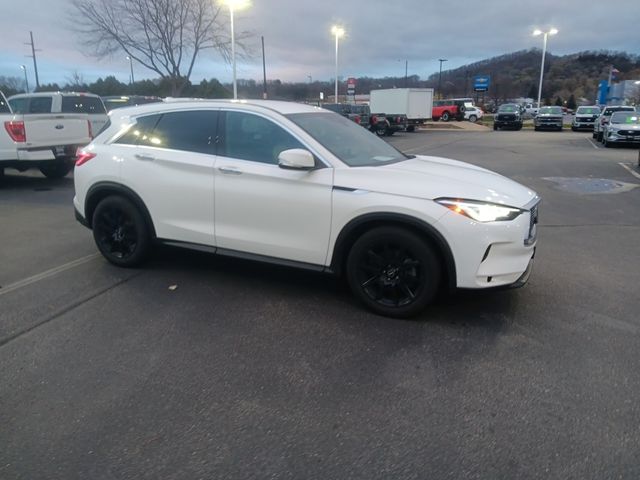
548,124
615,137
508,123
494,254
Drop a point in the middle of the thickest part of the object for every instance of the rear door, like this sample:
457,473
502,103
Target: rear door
171,167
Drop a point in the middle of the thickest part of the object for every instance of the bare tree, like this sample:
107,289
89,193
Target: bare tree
76,81
165,36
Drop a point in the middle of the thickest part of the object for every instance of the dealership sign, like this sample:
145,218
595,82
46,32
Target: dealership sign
481,83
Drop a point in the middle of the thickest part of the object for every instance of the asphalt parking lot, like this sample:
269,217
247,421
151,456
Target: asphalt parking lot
204,367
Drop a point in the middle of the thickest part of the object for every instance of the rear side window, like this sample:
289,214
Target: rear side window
82,104
192,131
40,105
139,131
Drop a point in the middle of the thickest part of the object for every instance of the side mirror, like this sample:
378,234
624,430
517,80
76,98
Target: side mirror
296,159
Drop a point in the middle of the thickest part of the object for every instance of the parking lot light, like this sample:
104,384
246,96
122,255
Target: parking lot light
233,6
537,32
26,80
338,32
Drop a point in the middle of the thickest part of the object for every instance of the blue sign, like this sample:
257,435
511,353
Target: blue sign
481,83
603,91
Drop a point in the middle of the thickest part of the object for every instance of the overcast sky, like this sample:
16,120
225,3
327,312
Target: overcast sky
381,35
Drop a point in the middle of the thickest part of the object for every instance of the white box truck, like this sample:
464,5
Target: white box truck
414,103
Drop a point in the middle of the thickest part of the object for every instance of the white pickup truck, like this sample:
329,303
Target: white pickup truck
46,141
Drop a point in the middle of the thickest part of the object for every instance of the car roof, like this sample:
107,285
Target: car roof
48,94
281,107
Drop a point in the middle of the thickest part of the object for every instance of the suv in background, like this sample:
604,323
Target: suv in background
603,119
623,127
62,102
585,118
509,115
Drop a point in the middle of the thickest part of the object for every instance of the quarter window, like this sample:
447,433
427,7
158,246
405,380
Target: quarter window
250,137
18,105
139,131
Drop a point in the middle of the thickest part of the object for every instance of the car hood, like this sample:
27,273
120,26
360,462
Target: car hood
435,177
549,115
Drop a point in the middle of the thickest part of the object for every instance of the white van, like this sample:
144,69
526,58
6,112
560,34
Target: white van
62,102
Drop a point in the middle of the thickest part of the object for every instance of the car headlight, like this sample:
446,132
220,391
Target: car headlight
480,211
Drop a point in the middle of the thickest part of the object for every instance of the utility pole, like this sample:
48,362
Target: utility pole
264,73
441,60
33,55
406,67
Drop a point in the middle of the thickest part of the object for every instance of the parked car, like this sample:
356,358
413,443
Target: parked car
359,114
413,103
585,118
300,186
549,118
509,115
445,110
605,115
40,140
62,102
623,127
531,109
473,114
118,101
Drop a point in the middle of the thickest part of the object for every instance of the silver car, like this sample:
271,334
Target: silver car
623,127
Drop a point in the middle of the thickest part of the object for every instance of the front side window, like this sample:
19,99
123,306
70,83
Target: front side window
40,105
250,137
352,144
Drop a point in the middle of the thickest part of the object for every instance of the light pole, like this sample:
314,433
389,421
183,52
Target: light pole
441,60
537,32
233,6
26,80
131,80
337,32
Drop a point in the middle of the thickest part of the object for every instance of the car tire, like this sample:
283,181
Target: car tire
57,169
574,129
495,127
446,116
473,118
536,129
411,128
594,135
120,231
599,137
393,271
560,129
381,132
389,132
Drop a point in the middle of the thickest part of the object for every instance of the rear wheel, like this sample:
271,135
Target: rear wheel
473,118
411,128
393,271
56,169
495,127
120,231
599,137
380,132
445,116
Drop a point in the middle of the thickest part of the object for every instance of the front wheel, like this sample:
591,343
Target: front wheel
411,128
495,127
381,132
393,271
599,137
445,117
473,118
120,232
57,169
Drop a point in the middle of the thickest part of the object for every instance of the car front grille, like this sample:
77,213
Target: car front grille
585,119
629,132
506,117
550,120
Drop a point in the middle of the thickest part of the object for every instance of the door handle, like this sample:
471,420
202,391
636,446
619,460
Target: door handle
142,156
230,170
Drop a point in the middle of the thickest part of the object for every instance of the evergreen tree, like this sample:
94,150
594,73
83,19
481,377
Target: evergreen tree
558,102
571,103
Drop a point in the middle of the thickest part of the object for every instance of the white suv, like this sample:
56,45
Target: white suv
301,186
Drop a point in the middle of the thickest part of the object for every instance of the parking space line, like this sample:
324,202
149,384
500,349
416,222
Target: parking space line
592,144
46,274
628,168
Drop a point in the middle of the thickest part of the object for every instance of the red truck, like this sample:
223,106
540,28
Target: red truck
445,110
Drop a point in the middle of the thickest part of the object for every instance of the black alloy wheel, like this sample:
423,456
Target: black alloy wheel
120,232
393,271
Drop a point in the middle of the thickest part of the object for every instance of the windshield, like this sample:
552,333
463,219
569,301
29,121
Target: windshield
625,117
609,111
588,111
509,108
551,111
352,144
